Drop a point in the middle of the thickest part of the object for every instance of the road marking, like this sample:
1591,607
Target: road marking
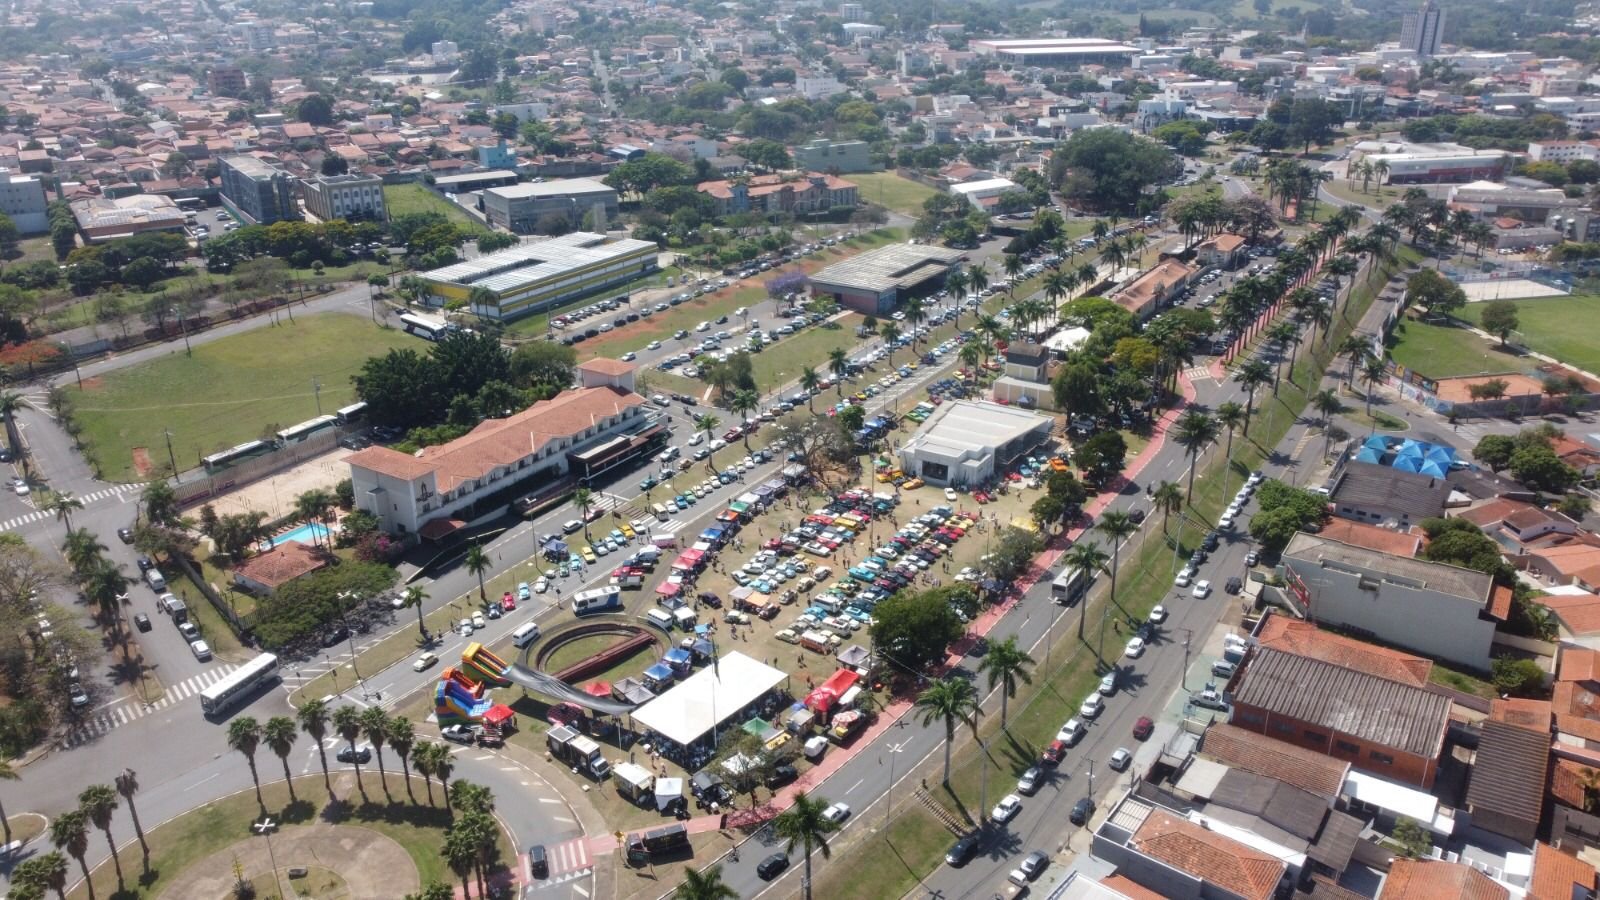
565,819
202,781
854,786
580,890
548,800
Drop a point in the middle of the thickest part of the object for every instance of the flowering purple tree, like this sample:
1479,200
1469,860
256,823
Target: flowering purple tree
785,284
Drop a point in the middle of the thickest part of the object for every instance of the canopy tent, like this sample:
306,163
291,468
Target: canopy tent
708,698
740,593
598,689
556,547
499,714
668,792
1376,442
1408,463
1433,467
1410,447
828,693
660,673
669,588
678,658
1369,455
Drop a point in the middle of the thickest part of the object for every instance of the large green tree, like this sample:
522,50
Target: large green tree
913,628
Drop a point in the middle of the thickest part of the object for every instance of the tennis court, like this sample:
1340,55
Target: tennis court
1508,289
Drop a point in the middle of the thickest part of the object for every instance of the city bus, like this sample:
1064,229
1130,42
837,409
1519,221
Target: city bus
1069,587
350,413
425,328
597,600
238,684
296,434
225,458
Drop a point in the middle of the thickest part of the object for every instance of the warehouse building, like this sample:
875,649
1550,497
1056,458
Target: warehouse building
1050,52
966,443
531,277
519,207
873,282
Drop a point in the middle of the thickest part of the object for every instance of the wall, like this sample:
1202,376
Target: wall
1405,768
201,485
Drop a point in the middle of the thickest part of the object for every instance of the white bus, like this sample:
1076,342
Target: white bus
348,414
295,434
239,683
422,327
1069,587
597,600
226,458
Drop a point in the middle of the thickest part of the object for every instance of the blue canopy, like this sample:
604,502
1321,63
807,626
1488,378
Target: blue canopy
1369,455
1377,442
555,545
1409,463
1439,454
704,648
677,656
1409,447
1433,467
659,672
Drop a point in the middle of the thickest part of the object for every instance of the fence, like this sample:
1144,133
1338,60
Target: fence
251,470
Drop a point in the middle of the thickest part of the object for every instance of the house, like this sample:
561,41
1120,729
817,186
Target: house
1577,614
1559,876
1026,378
1380,726
1447,612
1183,860
1383,540
1147,294
265,572
1517,525
1224,251
1280,632
1383,495
812,193
583,432
1432,879
1575,562
1506,793
1307,770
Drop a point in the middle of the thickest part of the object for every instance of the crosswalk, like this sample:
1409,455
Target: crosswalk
1195,373
567,860
108,493
129,709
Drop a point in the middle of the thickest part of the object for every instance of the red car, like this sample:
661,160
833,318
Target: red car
732,434
1053,754
508,602
1143,727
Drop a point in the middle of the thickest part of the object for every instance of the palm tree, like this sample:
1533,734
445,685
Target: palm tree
244,735
443,765
70,832
1252,375
890,332
583,501
413,598
98,803
915,314
347,722
1230,416
1117,526
1195,430
978,280
423,758
313,718
402,738
957,283
745,401
7,773
839,365
10,404
1372,375
970,354
707,885
1286,334
279,734
63,504
1006,664
1355,348
1327,403
952,700
51,871
460,852
83,550
803,824
376,727
809,379
1086,559
1013,266
1168,498
127,783
478,561
1055,287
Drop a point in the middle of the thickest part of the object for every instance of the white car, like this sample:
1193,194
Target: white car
1226,522
653,345
1092,706
837,813
950,494
1071,732
465,628
1201,590
424,662
1006,809
1108,684
1120,759
1184,577
478,621
542,585
1135,648
21,488
697,438
630,356
1158,615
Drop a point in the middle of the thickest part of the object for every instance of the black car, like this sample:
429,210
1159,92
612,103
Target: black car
141,621
1198,558
1234,585
1081,811
1209,543
772,866
1136,515
145,564
782,774
961,852
538,862
334,635
362,755
125,535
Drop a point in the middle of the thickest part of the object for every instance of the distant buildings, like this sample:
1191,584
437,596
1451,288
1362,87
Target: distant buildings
823,155
529,277
1145,295
1421,31
227,81
257,193
105,219
966,443
812,193
22,198
983,194
351,197
519,207
1051,52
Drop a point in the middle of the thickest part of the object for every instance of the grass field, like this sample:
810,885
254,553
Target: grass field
198,834
404,199
891,191
1567,328
1444,351
228,392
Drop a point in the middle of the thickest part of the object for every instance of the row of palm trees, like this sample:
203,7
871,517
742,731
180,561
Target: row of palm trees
802,825
70,832
1419,215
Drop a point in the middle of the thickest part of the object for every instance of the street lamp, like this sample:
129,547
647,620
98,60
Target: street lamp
1187,634
894,749
265,828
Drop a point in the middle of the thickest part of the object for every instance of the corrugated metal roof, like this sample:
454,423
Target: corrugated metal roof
1510,771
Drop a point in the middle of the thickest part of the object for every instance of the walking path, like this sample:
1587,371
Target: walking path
373,866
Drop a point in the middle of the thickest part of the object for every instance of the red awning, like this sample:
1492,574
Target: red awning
598,689
669,589
499,714
439,528
828,693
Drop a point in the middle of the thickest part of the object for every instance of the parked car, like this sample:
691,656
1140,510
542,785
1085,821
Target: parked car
362,754
1030,781
1143,728
1081,811
1006,809
962,850
1121,759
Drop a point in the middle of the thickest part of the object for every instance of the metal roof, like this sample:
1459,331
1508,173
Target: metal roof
525,264
1510,771
562,188
1373,709
1468,584
888,268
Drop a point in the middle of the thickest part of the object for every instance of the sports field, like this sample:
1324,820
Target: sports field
1446,351
1567,328
405,199
891,191
230,391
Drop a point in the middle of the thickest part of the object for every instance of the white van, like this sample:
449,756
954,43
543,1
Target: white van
685,618
663,541
647,556
525,635
660,618
155,579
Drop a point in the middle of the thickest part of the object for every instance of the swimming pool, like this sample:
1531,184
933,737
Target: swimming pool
304,534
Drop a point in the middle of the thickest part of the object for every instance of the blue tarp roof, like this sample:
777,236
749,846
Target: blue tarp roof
676,655
660,672
1433,467
556,545
1369,455
1377,442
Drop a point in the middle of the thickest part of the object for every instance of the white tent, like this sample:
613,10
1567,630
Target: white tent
708,698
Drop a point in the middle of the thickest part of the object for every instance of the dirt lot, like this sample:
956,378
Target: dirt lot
275,496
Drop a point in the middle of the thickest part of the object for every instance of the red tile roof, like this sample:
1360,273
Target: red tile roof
1427,879
1383,540
1580,613
1555,874
1127,887
600,365
281,565
1306,639
1308,770
1533,715
1207,855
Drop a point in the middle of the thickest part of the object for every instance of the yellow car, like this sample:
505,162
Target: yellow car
883,477
912,484
627,530
588,554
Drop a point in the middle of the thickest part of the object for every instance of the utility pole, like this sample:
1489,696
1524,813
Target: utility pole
1187,634
265,828
316,391
894,750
